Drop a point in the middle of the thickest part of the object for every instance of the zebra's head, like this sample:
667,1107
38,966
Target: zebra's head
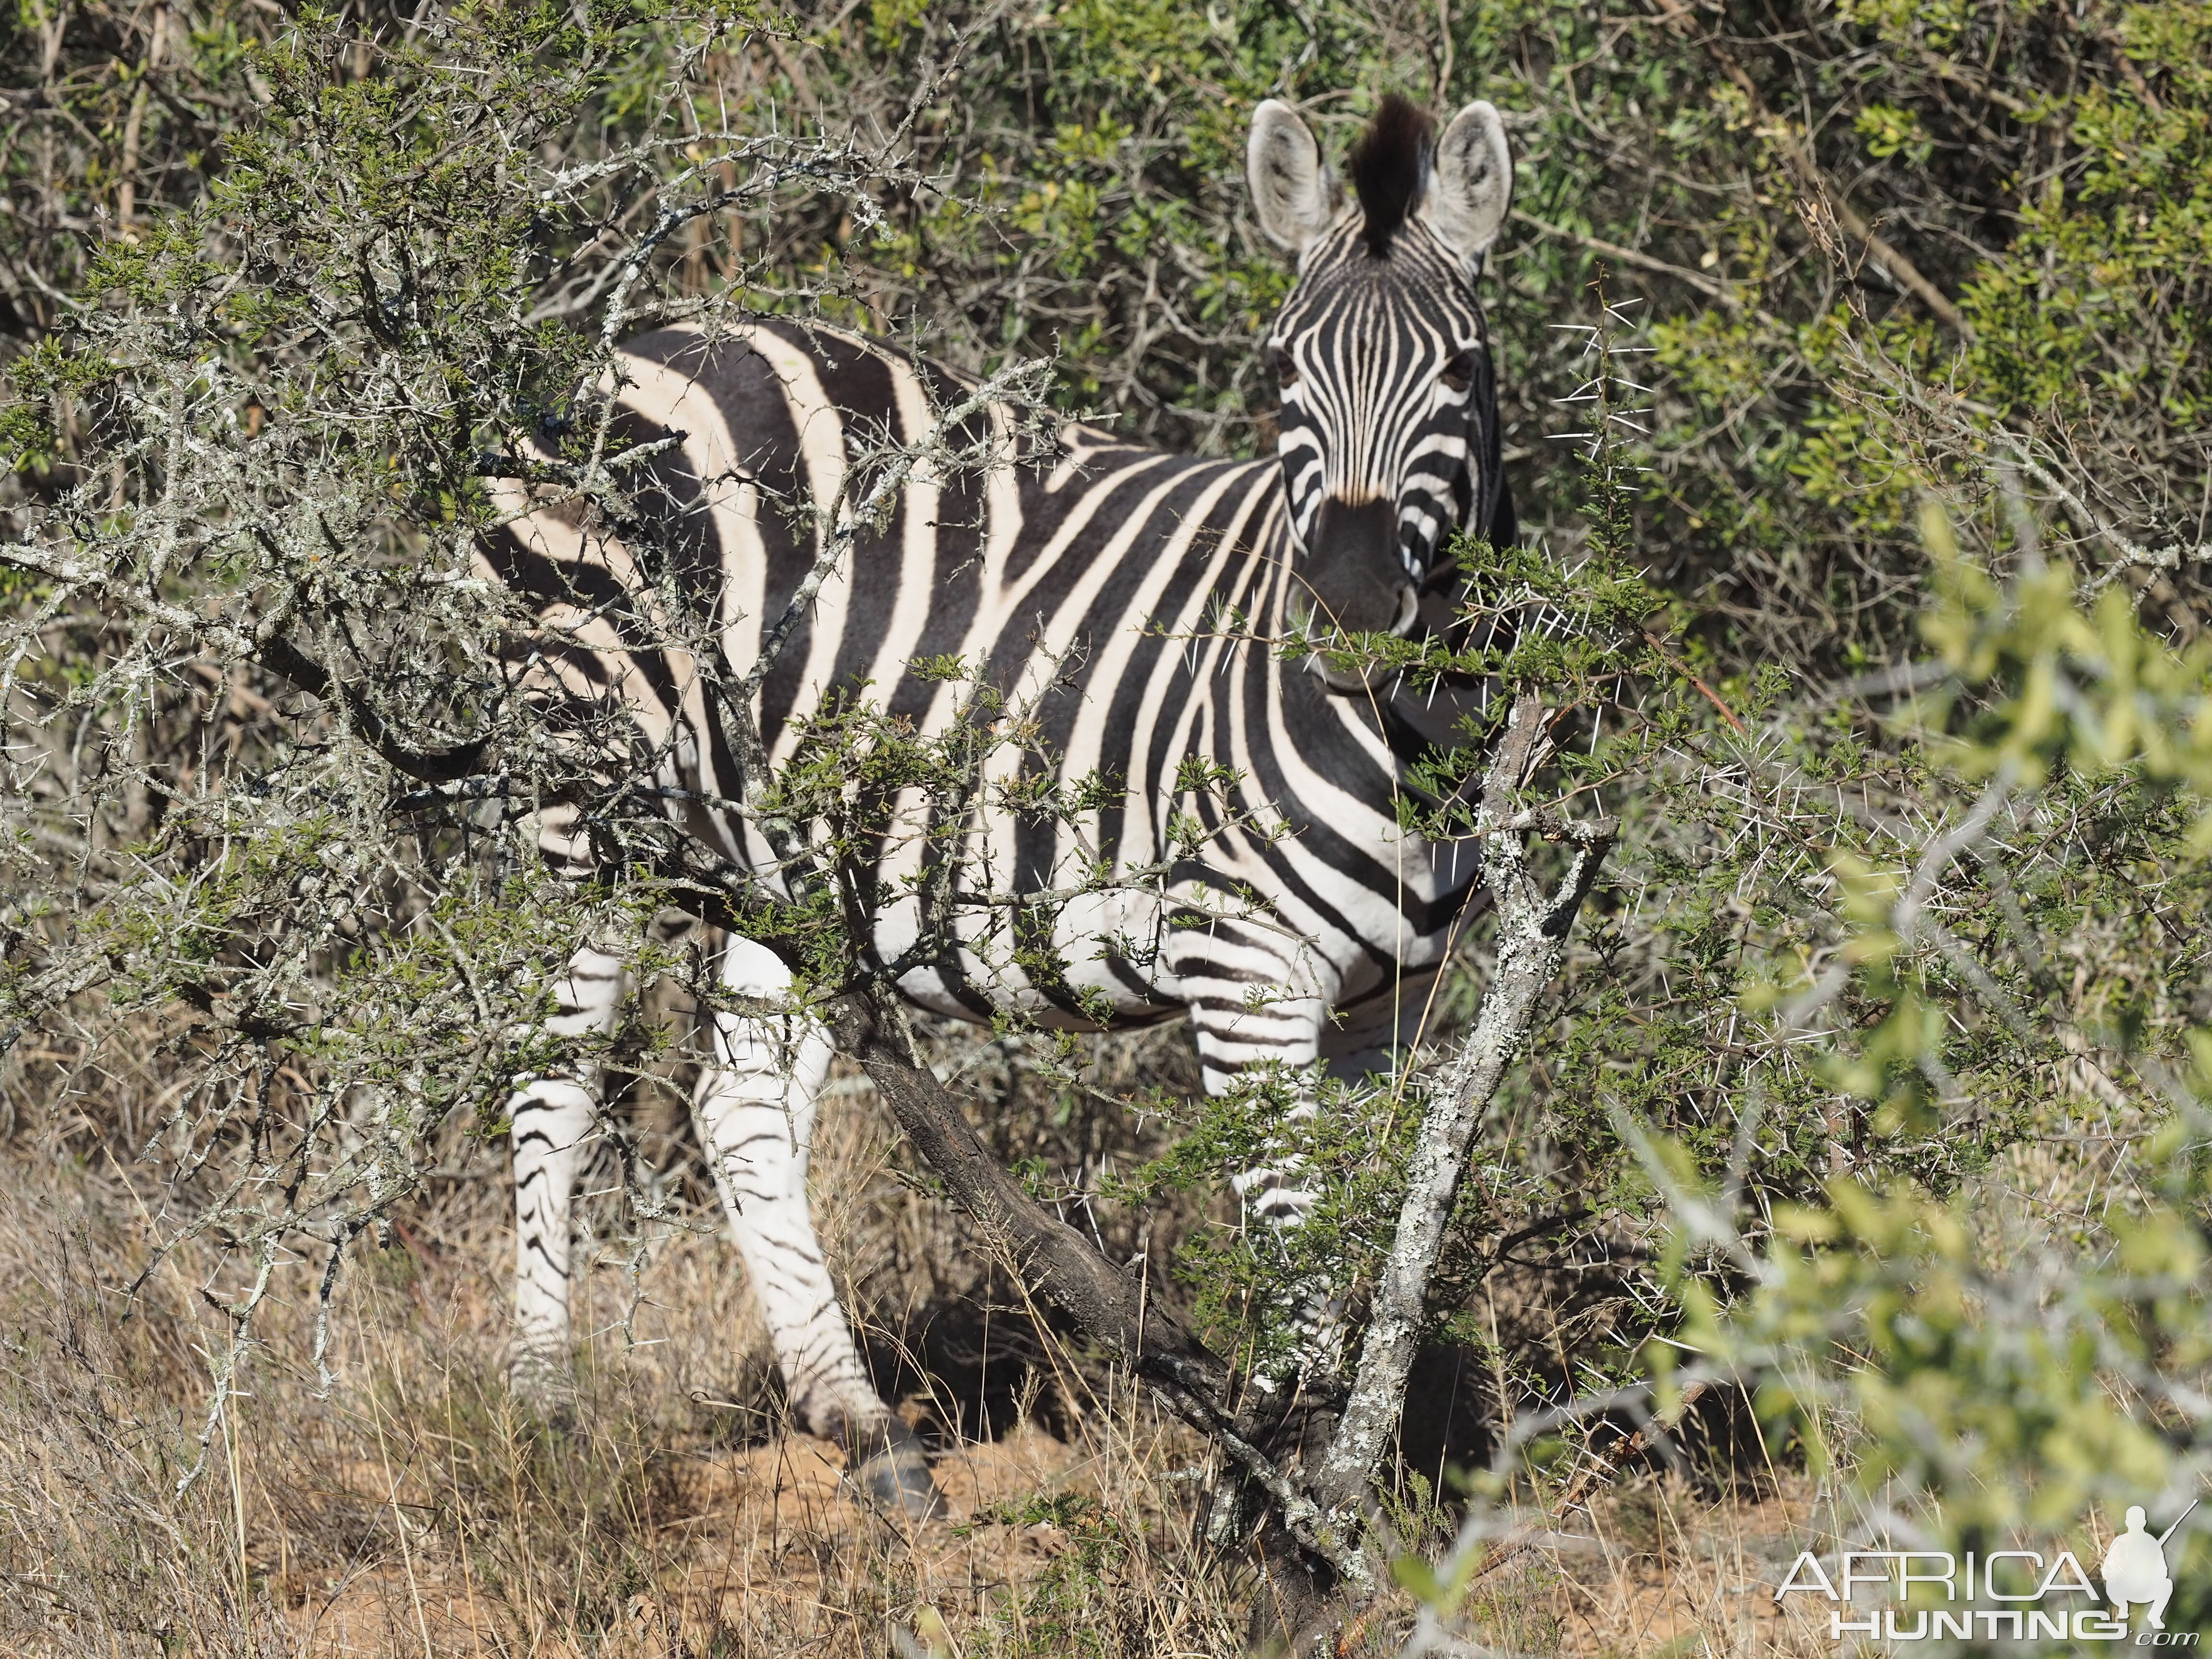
1388,416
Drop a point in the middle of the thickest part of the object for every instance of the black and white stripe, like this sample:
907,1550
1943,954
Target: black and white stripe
1086,585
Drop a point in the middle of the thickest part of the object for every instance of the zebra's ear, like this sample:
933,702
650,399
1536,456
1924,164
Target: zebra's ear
1292,191
1473,186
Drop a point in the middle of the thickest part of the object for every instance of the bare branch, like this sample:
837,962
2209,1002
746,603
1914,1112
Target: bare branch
1531,930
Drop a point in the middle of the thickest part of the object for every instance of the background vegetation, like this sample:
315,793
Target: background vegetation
1874,1082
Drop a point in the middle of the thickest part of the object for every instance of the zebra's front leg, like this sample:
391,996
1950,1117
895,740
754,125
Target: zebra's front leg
756,1115
1255,1012
1254,1020
553,1120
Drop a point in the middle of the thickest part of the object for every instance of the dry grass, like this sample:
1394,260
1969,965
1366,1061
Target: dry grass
417,1510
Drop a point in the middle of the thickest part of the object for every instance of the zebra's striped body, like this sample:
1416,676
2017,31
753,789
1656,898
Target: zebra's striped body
1088,585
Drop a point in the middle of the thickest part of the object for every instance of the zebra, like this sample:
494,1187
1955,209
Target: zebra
1093,573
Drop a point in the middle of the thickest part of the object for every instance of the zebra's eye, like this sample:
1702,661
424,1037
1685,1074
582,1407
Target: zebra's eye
1287,370
1458,374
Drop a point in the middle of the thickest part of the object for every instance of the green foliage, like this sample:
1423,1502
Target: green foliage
2084,690
1991,1368
1986,1388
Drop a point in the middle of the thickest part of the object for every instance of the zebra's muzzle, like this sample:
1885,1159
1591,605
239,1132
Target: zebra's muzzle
1353,581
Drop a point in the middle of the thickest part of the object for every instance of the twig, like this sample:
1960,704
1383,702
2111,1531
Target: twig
1628,256
844,519
1689,674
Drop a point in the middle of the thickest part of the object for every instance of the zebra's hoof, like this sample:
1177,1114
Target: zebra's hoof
897,1481
887,1465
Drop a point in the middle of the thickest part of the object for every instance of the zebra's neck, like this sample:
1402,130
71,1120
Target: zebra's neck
1158,585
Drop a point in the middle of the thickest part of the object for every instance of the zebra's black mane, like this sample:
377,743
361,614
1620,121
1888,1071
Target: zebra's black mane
1389,166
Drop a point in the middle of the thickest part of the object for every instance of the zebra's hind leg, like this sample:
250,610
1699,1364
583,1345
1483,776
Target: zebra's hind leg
553,1119
1259,1014
756,1115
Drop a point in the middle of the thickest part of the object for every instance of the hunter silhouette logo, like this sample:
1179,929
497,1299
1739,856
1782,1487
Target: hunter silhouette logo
2135,1569
2002,1596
